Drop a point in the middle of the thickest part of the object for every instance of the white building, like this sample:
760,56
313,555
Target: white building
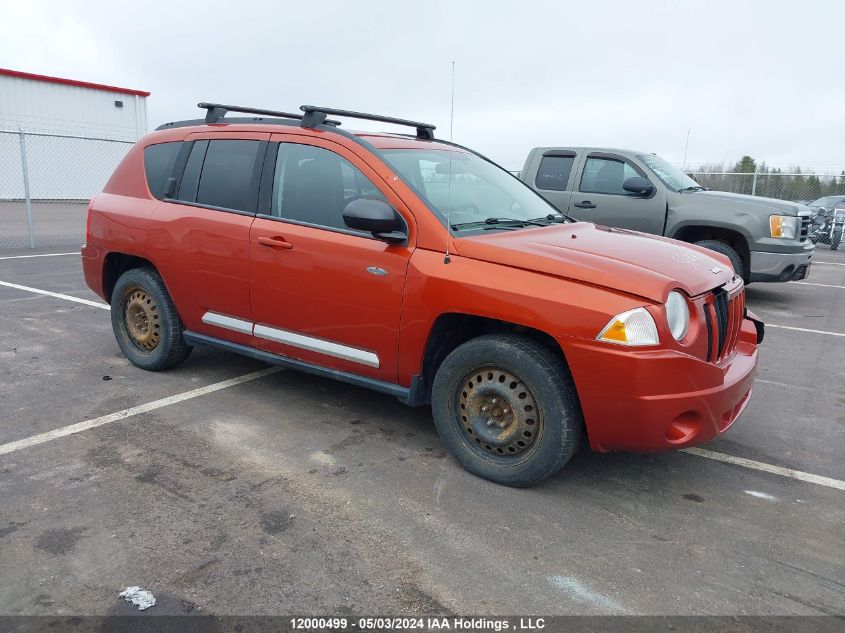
37,103
74,134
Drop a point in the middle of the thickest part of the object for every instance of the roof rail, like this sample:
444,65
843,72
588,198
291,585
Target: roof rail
216,112
314,116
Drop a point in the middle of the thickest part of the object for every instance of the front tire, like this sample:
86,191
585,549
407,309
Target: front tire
145,321
506,408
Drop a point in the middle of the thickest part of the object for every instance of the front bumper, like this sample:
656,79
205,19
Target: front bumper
767,266
659,399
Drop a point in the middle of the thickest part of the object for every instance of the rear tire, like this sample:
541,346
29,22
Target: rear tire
729,252
507,409
145,321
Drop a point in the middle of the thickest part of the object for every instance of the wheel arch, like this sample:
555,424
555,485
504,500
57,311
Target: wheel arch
116,263
451,329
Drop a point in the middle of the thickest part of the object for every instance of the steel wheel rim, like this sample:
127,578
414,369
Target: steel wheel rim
142,319
498,412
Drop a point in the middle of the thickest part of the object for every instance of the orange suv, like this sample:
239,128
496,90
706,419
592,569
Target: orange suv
420,269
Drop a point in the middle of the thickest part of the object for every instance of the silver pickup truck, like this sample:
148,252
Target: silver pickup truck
765,239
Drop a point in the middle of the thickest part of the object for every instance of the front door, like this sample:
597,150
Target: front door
321,292
600,197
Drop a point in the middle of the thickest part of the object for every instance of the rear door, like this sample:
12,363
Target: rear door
554,175
207,219
600,197
321,292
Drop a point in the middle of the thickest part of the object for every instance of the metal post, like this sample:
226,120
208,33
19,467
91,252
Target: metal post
26,190
754,183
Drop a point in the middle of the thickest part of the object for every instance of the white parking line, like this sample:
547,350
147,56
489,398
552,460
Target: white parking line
57,295
43,255
782,384
803,329
768,468
809,283
41,438
815,261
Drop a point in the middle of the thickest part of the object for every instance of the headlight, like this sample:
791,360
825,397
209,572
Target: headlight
634,327
785,226
839,217
677,314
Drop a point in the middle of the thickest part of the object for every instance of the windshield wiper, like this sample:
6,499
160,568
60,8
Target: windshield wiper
503,221
560,218
694,188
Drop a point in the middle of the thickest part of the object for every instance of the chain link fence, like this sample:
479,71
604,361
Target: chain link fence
46,181
796,187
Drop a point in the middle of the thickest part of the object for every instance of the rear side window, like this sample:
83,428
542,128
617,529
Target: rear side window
229,177
554,171
158,165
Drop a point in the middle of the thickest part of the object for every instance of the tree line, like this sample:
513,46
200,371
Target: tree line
771,182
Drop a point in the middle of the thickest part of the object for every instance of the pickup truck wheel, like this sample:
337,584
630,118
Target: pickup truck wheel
729,252
507,409
145,321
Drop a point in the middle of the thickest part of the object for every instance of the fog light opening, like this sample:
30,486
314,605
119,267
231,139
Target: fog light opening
683,428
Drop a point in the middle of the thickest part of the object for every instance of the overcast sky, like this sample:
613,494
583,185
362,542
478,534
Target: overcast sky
759,78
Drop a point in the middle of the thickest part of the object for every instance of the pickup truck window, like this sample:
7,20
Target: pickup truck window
606,175
671,176
313,185
553,173
467,188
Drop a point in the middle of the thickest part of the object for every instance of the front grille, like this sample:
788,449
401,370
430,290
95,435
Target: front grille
806,221
723,317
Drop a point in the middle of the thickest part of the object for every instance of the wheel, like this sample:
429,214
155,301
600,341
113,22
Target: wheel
507,409
835,239
729,252
145,321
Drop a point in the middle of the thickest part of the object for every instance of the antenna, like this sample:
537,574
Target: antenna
452,112
448,259
686,147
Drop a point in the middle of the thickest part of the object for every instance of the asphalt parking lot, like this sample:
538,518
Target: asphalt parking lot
284,493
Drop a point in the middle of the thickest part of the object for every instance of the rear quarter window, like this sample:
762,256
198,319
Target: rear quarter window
158,165
553,173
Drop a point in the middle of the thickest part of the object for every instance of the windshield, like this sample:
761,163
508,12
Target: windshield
469,190
671,176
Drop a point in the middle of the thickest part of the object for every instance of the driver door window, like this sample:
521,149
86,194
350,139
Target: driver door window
313,185
606,175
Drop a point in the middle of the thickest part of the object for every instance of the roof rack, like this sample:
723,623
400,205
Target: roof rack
216,112
314,116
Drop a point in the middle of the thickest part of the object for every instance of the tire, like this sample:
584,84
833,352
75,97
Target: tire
145,321
835,240
527,389
729,252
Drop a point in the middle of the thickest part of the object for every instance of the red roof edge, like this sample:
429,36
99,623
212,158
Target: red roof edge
72,82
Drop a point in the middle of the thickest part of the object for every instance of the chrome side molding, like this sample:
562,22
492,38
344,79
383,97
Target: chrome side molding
294,339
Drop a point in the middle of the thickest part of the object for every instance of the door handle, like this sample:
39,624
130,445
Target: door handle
586,204
275,242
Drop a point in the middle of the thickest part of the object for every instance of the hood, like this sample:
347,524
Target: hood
741,202
627,261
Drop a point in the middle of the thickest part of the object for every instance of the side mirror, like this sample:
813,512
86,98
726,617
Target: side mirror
638,185
376,217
